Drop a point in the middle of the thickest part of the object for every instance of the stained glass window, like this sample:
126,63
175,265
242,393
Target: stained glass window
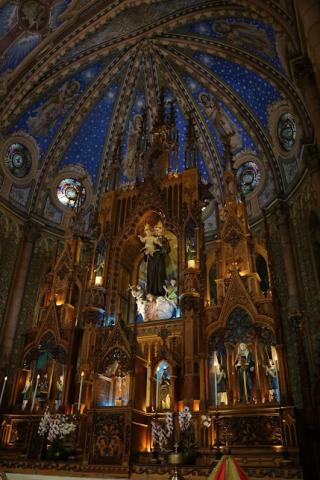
287,131
19,160
248,177
71,192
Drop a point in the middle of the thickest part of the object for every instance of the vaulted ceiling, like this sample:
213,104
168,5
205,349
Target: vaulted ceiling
74,74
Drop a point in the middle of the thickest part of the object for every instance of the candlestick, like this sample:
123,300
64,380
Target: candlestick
215,389
80,391
215,368
35,393
3,387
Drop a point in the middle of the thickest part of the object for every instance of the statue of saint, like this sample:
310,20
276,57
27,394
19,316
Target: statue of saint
130,161
155,257
150,308
164,391
190,249
171,292
245,369
221,385
224,126
59,386
271,372
26,393
149,240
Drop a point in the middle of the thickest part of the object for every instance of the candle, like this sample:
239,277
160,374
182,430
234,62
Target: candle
98,281
191,264
35,393
215,368
80,391
215,388
3,387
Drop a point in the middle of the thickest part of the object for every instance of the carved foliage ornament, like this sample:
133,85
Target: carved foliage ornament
117,355
108,440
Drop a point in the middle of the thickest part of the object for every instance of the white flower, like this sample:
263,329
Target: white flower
57,426
185,418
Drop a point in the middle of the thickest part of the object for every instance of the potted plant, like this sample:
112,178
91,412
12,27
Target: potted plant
56,427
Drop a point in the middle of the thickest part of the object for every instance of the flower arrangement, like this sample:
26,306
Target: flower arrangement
186,443
56,427
162,434
185,419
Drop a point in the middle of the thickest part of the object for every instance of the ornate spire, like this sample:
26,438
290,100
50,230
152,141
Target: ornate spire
191,149
115,166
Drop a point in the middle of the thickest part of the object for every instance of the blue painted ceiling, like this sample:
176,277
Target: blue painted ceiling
79,78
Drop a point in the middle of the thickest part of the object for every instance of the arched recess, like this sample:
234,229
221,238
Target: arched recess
41,380
163,392
134,266
225,361
112,386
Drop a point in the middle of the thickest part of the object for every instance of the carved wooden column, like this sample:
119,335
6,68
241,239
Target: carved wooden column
14,302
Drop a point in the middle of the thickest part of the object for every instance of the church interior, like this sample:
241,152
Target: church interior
159,238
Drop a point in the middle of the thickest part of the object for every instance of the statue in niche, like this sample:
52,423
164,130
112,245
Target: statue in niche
224,126
42,392
135,131
150,241
164,390
271,372
58,104
99,260
138,294
221,385
26,393
155,308
150,308
59,387
190,249
156,269
117,385
245,36
171,290
245,369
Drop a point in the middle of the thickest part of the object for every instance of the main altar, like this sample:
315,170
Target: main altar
143,316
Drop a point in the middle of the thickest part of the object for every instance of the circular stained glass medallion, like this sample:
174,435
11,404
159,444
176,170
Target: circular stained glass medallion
248,177
71,192
287,131
19,160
